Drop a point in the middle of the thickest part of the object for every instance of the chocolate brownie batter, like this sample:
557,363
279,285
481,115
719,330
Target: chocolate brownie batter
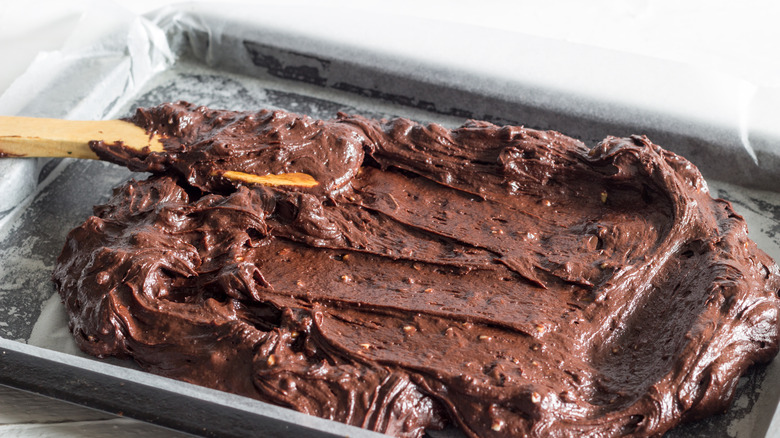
508,280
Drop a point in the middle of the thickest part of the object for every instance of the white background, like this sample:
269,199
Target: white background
740,38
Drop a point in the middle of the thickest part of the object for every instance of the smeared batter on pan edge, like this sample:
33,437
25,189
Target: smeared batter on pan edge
508,280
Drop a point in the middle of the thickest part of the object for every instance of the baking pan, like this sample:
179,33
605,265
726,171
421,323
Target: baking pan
226,60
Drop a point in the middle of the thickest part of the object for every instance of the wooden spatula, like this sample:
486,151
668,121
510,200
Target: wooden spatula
40,137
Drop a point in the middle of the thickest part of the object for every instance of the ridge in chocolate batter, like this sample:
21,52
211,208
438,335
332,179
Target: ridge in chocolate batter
512,281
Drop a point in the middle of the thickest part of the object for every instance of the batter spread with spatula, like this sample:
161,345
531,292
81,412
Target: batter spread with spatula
507,280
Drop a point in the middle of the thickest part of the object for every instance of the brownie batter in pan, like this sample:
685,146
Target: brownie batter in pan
511,281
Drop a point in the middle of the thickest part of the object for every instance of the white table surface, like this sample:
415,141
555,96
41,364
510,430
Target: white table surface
736,38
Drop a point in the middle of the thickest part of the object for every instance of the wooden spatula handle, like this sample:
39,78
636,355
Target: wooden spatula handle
39,137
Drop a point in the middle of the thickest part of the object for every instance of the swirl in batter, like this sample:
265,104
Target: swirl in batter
508,280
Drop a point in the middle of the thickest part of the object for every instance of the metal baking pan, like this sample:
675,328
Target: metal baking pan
226,60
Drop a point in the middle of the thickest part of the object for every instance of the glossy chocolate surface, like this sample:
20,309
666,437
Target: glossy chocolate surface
511,281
